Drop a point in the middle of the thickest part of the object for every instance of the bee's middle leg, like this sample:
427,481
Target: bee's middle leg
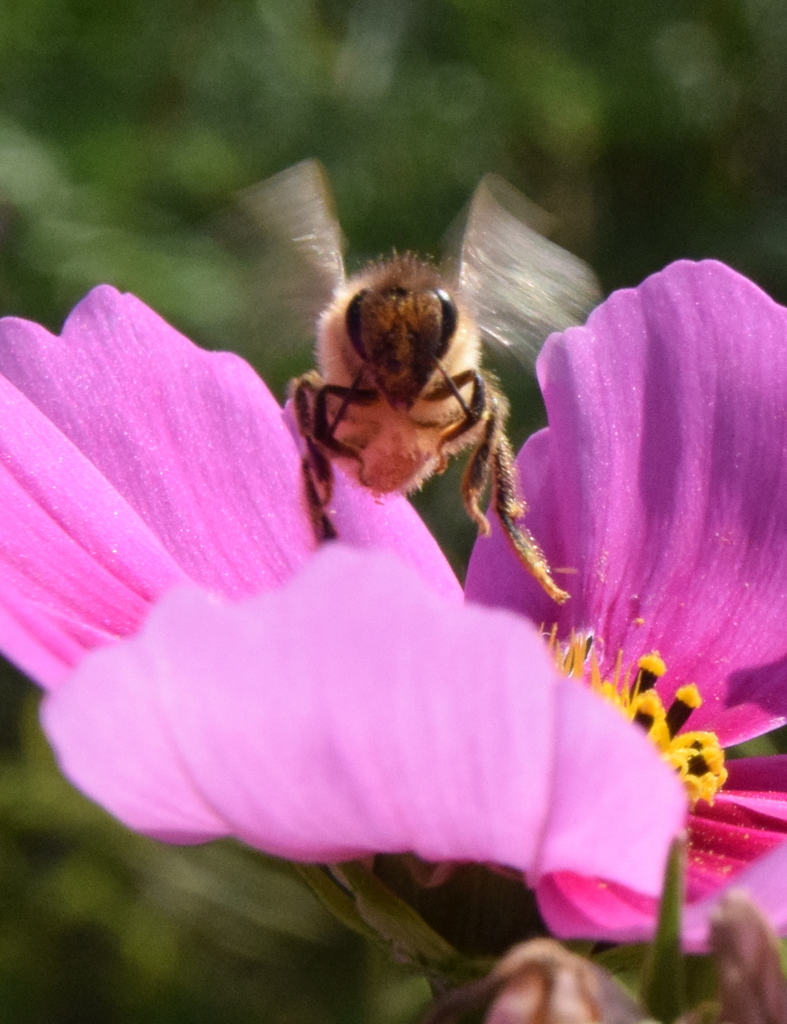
476,477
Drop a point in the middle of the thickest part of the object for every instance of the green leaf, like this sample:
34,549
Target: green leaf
664,978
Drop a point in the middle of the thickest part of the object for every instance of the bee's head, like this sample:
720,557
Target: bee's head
401,334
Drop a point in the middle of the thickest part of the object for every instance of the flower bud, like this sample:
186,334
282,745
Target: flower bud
540,982
752,989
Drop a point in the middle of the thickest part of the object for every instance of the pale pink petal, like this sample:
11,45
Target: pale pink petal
586,801
355,711
662,485
739,842
575,907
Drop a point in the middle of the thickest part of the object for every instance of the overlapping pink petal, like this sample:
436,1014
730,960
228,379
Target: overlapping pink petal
660,486
739,841
356,711
130,460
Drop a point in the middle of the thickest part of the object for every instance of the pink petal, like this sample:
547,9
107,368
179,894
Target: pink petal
355,711
577,907
726,838
766,883
768,775
662,483
737,842
78,567
586,802
192,440
390,522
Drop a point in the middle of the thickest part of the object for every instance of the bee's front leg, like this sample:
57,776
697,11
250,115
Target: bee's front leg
494,457
315,465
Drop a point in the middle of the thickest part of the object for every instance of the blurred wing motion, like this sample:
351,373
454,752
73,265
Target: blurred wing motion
295,215
520,286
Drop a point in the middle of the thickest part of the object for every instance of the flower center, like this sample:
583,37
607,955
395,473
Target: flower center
696,756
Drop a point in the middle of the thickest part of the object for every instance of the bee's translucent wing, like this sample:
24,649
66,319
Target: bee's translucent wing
297,240
520,286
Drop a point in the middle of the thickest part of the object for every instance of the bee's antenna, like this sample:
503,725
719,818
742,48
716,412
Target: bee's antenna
453,389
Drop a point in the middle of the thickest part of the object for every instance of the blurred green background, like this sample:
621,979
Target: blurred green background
651,130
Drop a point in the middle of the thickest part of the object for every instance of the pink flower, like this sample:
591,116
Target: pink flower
131,460
341,704
661,483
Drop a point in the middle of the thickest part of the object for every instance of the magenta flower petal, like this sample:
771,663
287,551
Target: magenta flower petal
580,907
192,440
727,837
78,567
740,839
765,774
576,906
765,881
355,711
659,493
661,483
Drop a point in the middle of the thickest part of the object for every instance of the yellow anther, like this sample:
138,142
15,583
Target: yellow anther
699,760
648,703
652,663
689,695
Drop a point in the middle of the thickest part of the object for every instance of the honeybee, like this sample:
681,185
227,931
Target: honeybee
399,387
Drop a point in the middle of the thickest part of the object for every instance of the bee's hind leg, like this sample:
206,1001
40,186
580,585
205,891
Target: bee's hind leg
493,457
315,466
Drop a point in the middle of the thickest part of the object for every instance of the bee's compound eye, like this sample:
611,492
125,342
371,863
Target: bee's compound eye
448,321
352,319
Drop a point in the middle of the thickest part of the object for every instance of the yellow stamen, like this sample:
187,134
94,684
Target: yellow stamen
689,695
652,663
696,756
